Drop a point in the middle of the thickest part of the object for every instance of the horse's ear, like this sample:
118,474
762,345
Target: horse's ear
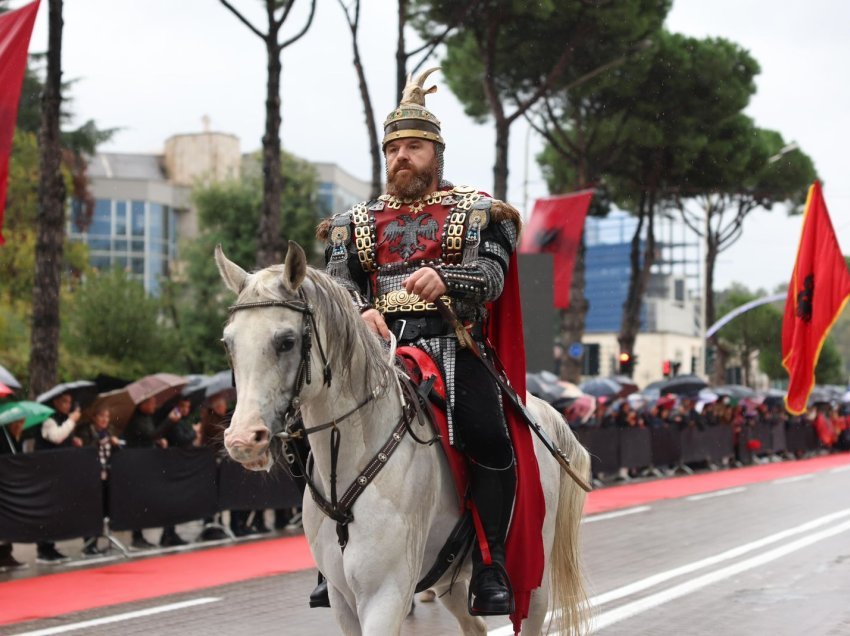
294,267
232,275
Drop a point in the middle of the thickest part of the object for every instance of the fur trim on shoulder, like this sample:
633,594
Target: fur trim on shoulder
501,211
323,230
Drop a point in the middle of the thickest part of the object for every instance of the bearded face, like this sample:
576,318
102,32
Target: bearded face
412,168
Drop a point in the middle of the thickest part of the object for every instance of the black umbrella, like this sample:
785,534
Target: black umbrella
8,379
82,392
601,387
106,383
683,385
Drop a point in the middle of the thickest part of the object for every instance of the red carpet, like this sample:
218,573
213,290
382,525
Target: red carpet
23,600
637,494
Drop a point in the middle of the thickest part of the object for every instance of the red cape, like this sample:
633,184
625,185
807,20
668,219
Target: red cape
524,547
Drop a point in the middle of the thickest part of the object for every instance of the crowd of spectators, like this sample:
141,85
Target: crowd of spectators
181,426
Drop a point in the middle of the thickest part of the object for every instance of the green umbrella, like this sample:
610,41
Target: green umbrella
32,413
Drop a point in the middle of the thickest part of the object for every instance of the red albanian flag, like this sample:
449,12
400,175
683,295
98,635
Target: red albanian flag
556,226
817,294
15,31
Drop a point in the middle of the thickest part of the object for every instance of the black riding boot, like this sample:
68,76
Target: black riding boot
319,596
492,490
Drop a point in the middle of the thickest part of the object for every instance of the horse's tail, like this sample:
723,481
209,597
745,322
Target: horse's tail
570,609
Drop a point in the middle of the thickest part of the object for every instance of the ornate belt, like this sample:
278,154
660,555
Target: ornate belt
399,301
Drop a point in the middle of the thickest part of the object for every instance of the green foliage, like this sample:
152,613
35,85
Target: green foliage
116,325
528,39
228,216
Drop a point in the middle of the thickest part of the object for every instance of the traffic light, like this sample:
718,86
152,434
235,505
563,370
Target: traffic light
665,368
626,363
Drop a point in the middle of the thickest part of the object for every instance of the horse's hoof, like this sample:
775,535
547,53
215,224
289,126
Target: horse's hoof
319,596
428,596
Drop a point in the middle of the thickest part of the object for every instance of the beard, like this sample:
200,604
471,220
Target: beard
406,182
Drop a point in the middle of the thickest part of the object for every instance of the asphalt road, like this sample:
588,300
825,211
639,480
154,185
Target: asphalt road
770,558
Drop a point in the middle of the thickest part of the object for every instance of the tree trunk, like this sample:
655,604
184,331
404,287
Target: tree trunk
638,277
371,127
401,51
500,167
44,349
721,354
573,319
269,242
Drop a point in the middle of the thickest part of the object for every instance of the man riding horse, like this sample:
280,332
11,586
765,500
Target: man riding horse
422,243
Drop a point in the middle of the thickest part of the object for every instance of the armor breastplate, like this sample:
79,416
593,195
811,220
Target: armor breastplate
394,239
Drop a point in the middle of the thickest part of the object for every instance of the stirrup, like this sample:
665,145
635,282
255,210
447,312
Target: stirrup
482,606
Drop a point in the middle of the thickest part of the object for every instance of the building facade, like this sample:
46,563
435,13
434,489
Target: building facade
143,202
671,322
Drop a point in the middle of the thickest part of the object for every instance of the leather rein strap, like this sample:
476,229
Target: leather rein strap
338,509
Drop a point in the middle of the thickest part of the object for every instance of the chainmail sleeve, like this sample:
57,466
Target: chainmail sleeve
342,262
481,276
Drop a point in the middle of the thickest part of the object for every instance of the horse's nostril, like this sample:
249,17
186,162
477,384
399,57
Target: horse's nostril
261,436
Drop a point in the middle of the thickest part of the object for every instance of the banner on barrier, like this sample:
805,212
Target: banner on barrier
153,487
242,489
50,495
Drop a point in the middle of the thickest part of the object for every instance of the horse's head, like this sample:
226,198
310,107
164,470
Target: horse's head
265,339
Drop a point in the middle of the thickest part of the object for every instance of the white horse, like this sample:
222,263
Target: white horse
405,514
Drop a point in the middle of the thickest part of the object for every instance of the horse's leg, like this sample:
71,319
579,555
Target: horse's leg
384,611
537,609
345,615
456,602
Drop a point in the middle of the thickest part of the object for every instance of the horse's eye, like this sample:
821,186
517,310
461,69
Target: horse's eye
284,343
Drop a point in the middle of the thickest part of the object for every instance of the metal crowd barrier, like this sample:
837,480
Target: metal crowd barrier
648,448
56,495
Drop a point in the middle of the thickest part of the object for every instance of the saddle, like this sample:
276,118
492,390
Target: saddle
424,374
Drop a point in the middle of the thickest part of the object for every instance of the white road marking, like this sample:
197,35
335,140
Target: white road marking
791,480
614,515
61,629
716,493
840,469
734,553
665,596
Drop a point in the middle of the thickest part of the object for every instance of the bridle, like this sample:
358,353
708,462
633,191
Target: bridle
338,509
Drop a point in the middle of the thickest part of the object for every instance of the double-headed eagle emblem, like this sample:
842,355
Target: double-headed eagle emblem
406,231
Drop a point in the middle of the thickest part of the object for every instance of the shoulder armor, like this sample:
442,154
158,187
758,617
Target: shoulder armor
501,211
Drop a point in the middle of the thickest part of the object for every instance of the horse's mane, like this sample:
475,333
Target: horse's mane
338,317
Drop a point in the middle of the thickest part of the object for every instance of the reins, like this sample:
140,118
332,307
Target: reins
338,509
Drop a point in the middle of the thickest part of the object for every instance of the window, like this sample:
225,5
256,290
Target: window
138,219
121,218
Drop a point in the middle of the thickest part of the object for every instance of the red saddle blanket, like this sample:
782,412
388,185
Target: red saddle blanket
524,544
420,367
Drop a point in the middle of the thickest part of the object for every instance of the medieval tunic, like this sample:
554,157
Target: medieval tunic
462,233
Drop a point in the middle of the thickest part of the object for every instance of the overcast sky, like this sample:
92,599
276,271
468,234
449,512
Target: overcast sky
156,67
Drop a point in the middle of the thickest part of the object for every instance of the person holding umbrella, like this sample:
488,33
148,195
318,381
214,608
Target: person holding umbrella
143,432
57,432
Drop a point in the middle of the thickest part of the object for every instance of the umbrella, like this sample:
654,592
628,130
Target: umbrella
221,382
32,413
683,384
5,391
8,379
582,408
737,391
544,385
599,387
122,402
627,385
82,391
